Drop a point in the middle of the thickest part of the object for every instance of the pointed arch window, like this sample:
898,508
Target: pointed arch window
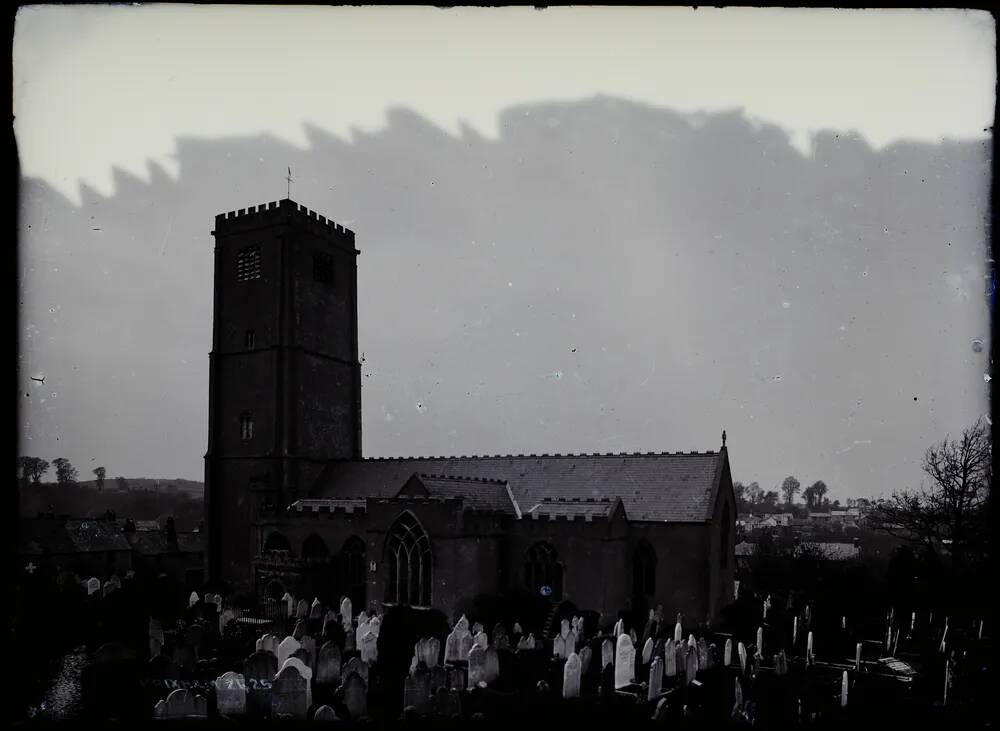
542,568
644,570
314,549
408,562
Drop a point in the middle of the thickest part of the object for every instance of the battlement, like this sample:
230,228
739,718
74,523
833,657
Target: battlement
328,507
276,212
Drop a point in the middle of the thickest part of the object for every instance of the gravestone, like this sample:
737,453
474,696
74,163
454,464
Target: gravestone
268,643
302,609
559,647
231,694
586,657
289,602
669,659
458,642
328,664
727,654
619,629
742,650
571,676
259,670
678,631
285,649
607,653
417,690
759,653
526,643
624,661
93,585
346,611
304,656
325,713
431,651
500,639
477,666
368,646
655,678
647,651
193,599
476,629
491,665
289,693
357,666
309,645
691,669
702,654
315,609
480,638
301,630
184,704
517,629
354,691
225,618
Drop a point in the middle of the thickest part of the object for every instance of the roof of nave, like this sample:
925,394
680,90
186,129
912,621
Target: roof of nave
672,487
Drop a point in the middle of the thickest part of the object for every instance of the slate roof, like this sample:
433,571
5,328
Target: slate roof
477,493
661,487
96,535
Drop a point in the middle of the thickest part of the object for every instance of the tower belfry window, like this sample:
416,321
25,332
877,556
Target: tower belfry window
248,264
249,340
246,426
323,267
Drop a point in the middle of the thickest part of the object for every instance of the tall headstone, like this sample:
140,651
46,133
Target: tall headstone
231,694
369,647
571,676
742,650
193,599
309,645
315,609
302,609
624,661
328,664
809,649
655,678
586,657
691,669
669,659
843,690
354,691
259,670
289,601
477,666
678,632
480,638
431,652
285,649
357,666
647,652
559,647
759,653
346,611
289,693
301,630
607,653
857,657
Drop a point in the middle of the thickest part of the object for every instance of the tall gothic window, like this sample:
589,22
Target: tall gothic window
277,542
724,538
315,549
408,561
644,570
248,264
543,569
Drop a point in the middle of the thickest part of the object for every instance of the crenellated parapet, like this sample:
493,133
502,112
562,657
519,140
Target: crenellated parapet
281,211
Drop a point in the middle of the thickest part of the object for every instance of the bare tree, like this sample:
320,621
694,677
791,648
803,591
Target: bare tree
949,515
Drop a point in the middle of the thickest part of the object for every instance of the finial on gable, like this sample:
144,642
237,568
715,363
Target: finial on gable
723,438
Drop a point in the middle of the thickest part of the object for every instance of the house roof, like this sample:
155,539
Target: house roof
672,487
96,535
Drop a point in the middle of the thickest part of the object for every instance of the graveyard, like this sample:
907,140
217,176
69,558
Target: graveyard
137,651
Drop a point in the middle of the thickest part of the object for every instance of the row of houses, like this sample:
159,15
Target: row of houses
850,517
106,546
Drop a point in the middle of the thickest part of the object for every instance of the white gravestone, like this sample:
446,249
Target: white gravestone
231,694
571,676
607,654
285,649
624,661
669,659
655,678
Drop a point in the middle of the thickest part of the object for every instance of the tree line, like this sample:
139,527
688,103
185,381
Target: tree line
752,497
30,471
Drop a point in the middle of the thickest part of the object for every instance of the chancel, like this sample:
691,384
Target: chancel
293,505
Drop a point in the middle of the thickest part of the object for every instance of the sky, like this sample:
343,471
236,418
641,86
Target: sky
108,98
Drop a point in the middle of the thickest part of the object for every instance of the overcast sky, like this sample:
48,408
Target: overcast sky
100,88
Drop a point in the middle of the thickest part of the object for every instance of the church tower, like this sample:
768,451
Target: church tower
284,375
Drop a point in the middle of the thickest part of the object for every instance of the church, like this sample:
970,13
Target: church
292,505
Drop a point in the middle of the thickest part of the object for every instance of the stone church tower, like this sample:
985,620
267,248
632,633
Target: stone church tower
285,380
